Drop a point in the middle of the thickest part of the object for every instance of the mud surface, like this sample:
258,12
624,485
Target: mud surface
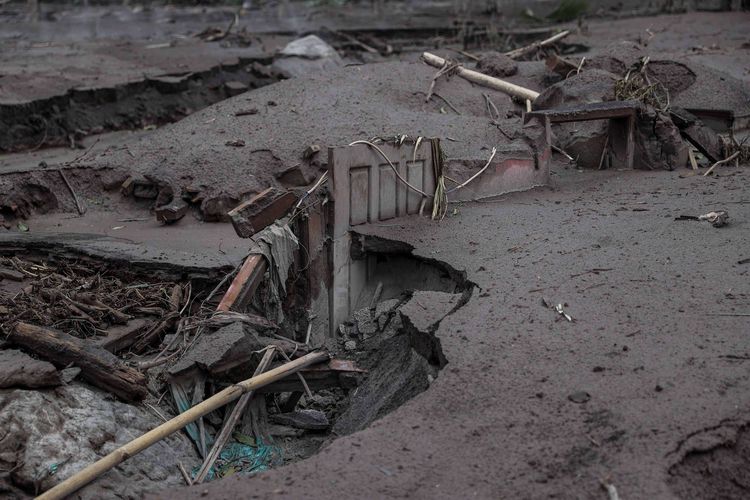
645,345
333,109
646,387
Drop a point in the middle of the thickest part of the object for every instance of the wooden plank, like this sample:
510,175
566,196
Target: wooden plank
359,195
243,286
415,176
587,112
387,202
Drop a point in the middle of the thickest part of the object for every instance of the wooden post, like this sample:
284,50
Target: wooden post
231,393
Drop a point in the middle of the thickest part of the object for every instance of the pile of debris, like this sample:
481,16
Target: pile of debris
79,330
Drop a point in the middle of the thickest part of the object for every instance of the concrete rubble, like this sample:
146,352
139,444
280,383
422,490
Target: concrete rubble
304,246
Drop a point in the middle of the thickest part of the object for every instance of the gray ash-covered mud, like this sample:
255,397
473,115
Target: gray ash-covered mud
542,344
718,470
65,119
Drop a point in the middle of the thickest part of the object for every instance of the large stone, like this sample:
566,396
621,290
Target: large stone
18,369
51,435
305,56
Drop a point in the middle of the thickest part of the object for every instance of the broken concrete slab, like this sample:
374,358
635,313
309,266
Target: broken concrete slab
132,85
426,309
220,352
213,350
307,419
18,369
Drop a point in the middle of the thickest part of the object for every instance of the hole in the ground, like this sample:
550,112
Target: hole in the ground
388,350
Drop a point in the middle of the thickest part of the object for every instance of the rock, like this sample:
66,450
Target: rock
579,397
73,426
309,47
172,212
306,56
314,420
311,151
18,369
585,88
294,176
216,208
234,88
617,58
69,374
497,64
350,345
212,349
367,324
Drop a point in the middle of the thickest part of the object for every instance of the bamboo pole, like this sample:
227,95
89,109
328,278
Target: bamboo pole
529,48
231,420
231,393
484,80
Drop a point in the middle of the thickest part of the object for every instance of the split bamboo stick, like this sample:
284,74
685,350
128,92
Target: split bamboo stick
93,471
485,80
231,420
530,48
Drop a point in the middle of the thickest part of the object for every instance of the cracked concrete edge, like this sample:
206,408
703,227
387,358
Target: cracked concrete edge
119,250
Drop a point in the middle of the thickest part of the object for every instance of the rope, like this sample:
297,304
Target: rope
494,152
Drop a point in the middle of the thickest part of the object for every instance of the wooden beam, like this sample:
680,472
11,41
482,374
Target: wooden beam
98,366
260,211
243,286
